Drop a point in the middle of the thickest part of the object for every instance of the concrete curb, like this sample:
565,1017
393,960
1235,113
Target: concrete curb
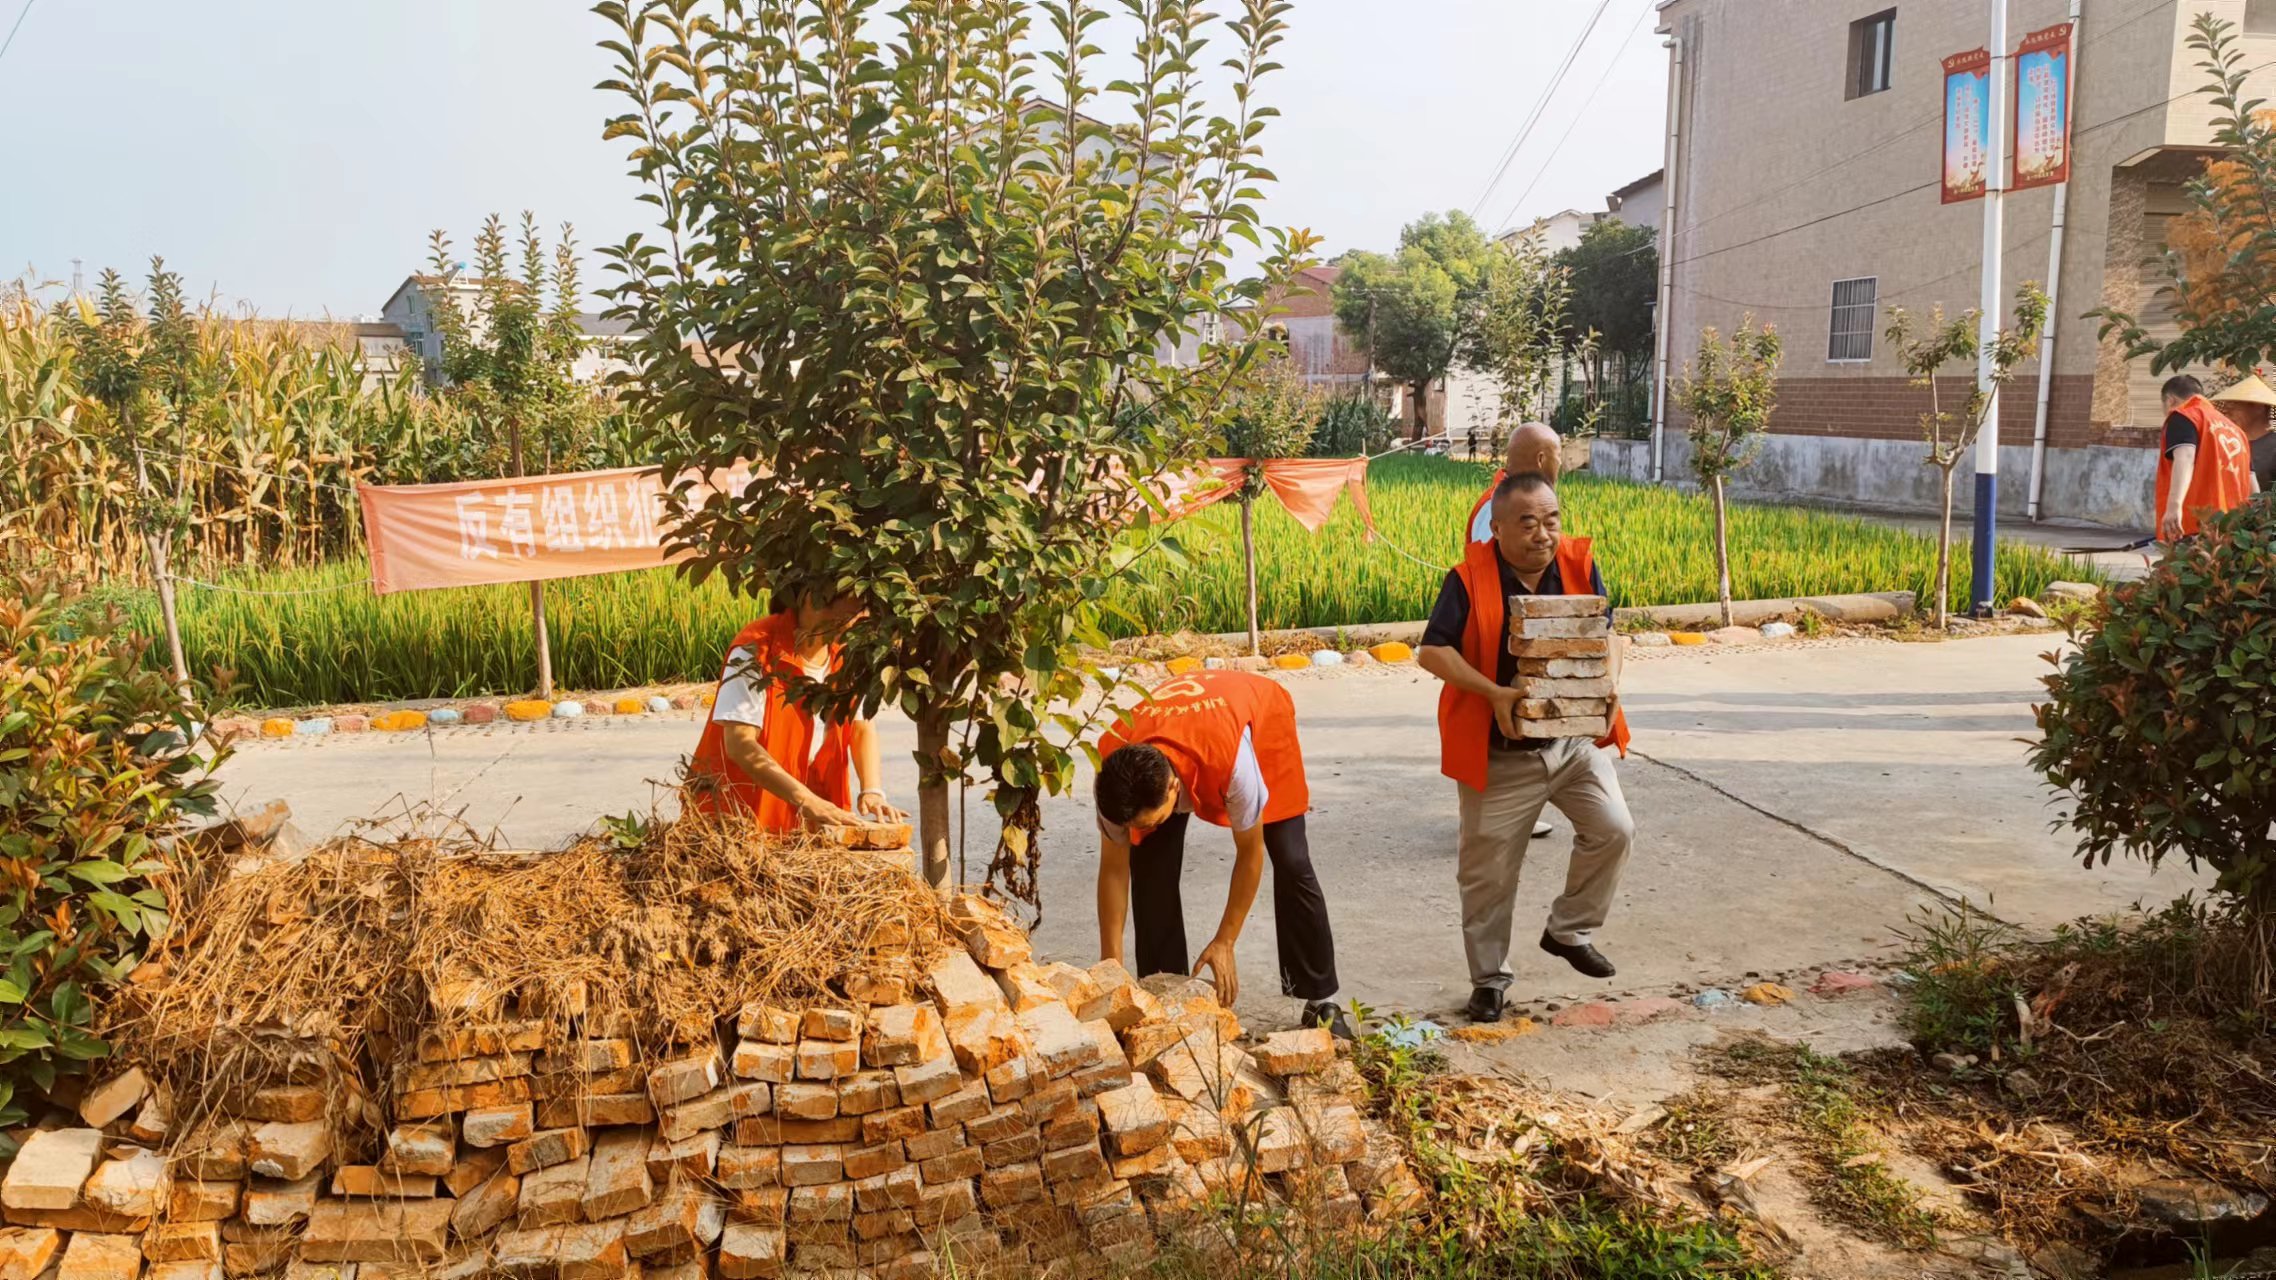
1881,606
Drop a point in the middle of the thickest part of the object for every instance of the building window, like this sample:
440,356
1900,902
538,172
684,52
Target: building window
1872,42
2260,17
1855,303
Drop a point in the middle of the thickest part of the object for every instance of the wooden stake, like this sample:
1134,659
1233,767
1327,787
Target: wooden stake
536,599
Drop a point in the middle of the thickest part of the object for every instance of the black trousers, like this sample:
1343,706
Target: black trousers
1299,908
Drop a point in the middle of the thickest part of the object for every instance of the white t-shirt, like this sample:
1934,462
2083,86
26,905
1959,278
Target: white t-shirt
741,699
1245,795
1482,524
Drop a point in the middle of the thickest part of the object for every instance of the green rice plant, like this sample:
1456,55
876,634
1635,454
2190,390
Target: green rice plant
339,643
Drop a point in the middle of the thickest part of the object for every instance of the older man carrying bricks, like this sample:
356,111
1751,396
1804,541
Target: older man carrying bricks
1508,680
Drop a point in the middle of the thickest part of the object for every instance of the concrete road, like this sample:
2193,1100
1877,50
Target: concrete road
1794,803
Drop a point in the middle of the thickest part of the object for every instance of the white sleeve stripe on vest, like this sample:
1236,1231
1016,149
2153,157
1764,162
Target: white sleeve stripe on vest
738,700
1245,792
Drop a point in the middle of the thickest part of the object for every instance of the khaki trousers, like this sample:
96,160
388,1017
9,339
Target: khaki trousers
1497,825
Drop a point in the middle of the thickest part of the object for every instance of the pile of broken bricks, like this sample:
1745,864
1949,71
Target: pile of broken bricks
1003,1117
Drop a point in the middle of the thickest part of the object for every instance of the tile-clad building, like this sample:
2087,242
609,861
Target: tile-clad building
1803,188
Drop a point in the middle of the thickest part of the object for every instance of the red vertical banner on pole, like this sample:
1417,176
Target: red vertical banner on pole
1967,125
2042,109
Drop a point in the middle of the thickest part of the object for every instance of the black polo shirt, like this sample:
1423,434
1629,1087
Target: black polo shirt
1450,617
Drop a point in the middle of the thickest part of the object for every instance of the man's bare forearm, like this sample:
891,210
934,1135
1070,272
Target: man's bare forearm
1113,896
743,748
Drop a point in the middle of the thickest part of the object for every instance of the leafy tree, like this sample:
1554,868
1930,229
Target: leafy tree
93,779
1418,308
1951,433
146,373
1519,337
509,356
1728,391
2157,726
1615,272
1272,415
1350,426
905,268
2221,263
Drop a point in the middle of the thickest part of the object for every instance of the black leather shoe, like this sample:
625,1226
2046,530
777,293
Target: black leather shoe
1485,1005
1321,1013
1584,957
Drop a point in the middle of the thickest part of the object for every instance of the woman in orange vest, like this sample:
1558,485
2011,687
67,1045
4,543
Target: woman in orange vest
2204,464
1502,779
1220,746
763,756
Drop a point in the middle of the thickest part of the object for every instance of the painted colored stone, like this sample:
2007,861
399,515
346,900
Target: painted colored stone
1359,658
406,721
1392,651
312,727
350,724
599,707
707,699
1835,983
629,706
527,709
685,702
657,704
1734,635
232,728
567,709
1251,662
1767,993
1712,998
1292,662
1326,658
1651,639
482,713
1213,664
276,727
1777,630
1647,1009
1184,666
1596,1013
1686,637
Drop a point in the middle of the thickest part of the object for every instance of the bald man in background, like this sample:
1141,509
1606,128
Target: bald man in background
1533,447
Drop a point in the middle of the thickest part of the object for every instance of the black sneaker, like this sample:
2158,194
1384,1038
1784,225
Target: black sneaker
1486,1004
1321,1013
1583,957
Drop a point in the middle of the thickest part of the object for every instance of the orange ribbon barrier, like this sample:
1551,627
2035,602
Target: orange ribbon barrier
1306,486
523,529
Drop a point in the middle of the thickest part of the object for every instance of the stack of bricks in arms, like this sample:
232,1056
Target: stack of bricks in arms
1564,653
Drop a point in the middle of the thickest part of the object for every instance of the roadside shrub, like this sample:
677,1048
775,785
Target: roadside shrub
1349,427
2160,724
98,764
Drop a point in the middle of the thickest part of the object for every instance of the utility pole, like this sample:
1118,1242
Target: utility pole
1981,581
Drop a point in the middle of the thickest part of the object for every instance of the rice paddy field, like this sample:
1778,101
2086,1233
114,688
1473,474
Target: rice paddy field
341,644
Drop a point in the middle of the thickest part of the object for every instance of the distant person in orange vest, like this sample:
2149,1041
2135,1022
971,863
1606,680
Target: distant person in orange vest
2247,404
1219,746
762,756
2204,464
1533,447
1503,780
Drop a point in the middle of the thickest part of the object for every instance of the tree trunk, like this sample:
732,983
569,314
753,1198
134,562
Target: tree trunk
1422,407
1944,552
1722,554
1249,555
932,800
158,546
536,596
166,611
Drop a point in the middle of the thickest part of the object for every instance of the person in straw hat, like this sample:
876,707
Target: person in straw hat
2248,404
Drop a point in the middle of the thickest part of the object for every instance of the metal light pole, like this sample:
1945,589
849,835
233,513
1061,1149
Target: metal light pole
1981,581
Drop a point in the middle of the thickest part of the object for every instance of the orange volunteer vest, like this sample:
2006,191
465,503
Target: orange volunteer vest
823,762
2222,480
1196,720
1465,720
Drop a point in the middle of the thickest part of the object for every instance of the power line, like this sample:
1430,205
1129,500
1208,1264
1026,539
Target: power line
20,16
1533,117
1578,116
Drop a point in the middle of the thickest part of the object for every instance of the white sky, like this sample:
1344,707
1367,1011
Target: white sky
293,154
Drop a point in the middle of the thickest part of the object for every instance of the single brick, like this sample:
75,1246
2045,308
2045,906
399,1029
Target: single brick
831,1024
113,1098
681,1220
413,1148
984,1037
590,1251
812,1165
694,1157
26,1251
195,1201
272,1203
473,1169
1013,1079
990,935
1134,1118
1058,1039
178,1242
1025,987
133,1187
370,1181
935,1077
867,1091
596,1111
900,1189
50,1168
773,1063
1297,1053
377,1231
903,1035
958,983
554,1194
762,1205
684,1078
743,1168
827,1059
748,1251
1279,1141
892,1124
968,1103
486,1206
868,1162
954,1167
96,1256
768,1023
831,1203
617,1180
713,1110
934,1142
1080,1123
497,1126
806,1101
545,1149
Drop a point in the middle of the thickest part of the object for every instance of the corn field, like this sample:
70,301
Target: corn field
337,643
283,427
